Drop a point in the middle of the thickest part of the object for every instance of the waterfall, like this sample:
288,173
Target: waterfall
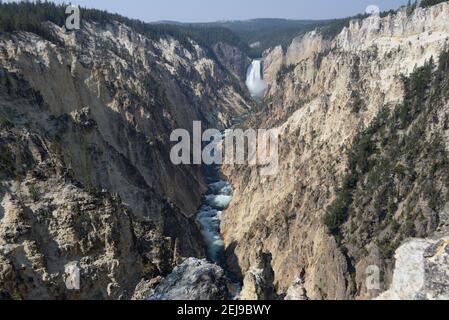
254,81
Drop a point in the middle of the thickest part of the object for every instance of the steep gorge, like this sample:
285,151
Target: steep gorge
86,178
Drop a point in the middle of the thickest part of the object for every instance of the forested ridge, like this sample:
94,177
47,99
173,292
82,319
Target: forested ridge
252,36
31,17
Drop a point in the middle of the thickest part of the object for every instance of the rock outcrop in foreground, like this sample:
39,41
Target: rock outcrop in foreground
192,280
422,271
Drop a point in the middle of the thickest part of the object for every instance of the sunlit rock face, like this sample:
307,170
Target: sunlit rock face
426,26
312,105
421,271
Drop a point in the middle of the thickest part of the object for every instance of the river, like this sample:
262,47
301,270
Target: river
220,192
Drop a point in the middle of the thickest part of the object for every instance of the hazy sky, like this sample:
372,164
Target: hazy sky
213,10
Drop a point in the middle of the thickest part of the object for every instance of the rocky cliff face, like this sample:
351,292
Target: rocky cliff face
233,59
421,271
49,222
192,280
89,116
258,281
86,182
323,100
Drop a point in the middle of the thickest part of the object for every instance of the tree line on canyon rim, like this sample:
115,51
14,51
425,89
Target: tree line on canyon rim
31,17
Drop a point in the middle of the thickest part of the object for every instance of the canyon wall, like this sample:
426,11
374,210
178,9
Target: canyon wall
332,101
86,176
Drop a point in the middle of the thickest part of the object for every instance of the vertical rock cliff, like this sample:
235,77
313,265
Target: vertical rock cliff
363,147
86,177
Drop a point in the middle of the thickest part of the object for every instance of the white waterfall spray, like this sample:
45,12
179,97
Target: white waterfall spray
256,85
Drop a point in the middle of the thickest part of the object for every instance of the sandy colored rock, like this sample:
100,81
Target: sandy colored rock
311,106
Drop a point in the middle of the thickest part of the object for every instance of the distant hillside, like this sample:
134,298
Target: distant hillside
252,36
262,34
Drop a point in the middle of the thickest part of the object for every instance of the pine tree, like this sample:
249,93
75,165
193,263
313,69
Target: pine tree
429,3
